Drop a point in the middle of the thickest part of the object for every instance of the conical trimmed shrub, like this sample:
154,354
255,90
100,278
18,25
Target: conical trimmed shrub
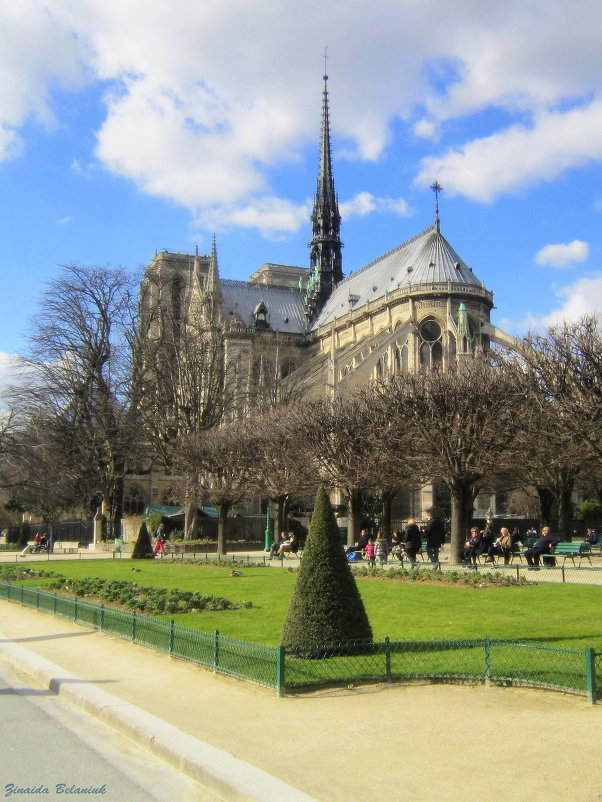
326,606
143,549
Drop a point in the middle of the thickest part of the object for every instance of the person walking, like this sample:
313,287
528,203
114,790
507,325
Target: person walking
434,534
413,540
159,540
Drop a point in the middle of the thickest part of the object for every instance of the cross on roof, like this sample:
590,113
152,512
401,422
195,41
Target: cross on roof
437,188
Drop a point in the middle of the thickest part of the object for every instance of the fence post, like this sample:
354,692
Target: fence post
54,605
562,569
37,598
487,644
388,659
102,616
590,675
280,667
216,650
133,625
171,636
75,610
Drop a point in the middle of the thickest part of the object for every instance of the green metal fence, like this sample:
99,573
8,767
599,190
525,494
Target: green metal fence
489,661
248,661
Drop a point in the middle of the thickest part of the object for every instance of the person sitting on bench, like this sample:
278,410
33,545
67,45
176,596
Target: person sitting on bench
542,547
360,545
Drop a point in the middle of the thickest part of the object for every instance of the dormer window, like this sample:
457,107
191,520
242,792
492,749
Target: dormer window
260,316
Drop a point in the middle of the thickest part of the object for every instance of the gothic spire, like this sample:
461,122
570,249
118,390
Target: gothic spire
213,285
325,247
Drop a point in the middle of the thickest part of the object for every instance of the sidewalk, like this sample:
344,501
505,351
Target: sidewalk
399,742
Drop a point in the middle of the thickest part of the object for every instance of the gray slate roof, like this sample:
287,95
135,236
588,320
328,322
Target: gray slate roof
431,259
284,306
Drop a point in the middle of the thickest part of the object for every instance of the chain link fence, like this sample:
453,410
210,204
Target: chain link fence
489,661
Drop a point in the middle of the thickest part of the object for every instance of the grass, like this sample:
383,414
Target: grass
555,615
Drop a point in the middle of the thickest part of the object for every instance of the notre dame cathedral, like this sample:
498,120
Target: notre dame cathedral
418,305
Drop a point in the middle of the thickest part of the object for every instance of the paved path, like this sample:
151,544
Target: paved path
400,742
584,573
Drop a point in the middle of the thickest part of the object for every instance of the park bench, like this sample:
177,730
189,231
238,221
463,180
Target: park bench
568,551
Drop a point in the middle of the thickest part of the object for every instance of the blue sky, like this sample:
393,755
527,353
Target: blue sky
123,132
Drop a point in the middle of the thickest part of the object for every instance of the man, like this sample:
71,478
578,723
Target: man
361,543
275,547
591,536
543,545
434,534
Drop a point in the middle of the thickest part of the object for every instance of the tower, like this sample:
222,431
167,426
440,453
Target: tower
325,262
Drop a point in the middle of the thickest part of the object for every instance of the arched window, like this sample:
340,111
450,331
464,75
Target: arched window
401,359
133,501
168,499
431,347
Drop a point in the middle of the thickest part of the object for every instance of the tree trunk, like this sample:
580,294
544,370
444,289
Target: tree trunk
280,517
565,506
462,494
191,522
546,505
116,508
222,525
353,519
386,498
286,503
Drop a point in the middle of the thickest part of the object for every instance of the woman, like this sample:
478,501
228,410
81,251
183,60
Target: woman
472,547
287,545
413,540
396,544
501,547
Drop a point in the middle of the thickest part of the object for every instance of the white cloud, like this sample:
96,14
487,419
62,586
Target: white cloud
200,108
425,129
519,156
8,369
584,297
364,203
563,255
268,215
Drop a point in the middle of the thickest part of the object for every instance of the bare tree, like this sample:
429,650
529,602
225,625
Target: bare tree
567,365
77,379
338,439
41,483
464,423
214,466
279,462
184,383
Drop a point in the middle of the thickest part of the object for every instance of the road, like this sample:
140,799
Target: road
48,744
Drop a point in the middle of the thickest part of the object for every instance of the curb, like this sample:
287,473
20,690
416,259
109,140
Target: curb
217,770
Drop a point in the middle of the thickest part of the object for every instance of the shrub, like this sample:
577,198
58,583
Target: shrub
142,548
326,605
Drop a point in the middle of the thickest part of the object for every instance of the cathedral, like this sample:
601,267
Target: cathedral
418,305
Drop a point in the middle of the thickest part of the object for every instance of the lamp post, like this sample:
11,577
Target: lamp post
268,526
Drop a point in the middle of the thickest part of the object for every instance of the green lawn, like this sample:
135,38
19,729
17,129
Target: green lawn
566,616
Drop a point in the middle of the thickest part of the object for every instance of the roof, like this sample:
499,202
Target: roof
284,305
425,259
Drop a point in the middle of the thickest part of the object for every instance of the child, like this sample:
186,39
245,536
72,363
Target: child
369,551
